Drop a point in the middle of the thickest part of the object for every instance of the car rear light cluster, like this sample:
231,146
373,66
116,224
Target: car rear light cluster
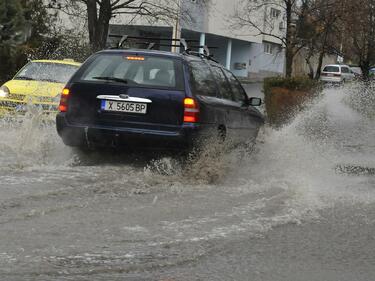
63,107
191,110
135,58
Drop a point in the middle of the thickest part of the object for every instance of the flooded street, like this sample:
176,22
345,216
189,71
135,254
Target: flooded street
300,207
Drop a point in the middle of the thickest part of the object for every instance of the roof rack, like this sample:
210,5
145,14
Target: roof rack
205,55
150,44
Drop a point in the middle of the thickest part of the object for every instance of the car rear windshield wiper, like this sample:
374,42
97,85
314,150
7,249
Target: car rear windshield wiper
107,78
50,80
24,78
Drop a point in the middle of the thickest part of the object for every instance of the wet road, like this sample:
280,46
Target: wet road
300,207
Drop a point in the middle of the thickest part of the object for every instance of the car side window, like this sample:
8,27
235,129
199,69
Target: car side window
344,70
239,94
222,82
202,80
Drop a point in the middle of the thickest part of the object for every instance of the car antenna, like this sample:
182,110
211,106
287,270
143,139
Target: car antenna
184,43
122,40
151,46
206,51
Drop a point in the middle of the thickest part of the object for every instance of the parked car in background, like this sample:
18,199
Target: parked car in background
336,73
156,100
357,71
372,73
39,83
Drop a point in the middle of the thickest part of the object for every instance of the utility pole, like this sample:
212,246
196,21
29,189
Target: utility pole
176,34
340,57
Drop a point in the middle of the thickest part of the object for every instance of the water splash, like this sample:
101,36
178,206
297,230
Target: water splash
297,170
30,140
331,132
146,212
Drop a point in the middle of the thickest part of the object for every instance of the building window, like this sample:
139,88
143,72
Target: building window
268,48
275,13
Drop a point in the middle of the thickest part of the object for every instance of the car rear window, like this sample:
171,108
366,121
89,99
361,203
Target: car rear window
331,69
136,70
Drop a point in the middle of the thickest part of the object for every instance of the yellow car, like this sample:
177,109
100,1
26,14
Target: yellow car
39,84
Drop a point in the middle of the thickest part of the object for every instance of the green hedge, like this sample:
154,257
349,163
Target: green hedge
286,96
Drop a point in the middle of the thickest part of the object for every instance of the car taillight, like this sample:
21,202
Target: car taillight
323,74
191,110
337,75
63,107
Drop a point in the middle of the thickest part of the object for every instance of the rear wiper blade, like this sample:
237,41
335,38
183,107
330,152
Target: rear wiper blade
50,80
24,78
115,79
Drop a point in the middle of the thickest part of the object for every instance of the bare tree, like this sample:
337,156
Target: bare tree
315,25
259,17
100,12
359,24
324,24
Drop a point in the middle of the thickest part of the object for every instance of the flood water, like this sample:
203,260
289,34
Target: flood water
300,207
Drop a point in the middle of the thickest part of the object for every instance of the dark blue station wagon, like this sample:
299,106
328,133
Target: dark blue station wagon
154,99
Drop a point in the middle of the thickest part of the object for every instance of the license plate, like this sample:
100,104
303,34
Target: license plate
123,106
330,74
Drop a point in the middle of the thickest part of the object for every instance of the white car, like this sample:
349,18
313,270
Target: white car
336,73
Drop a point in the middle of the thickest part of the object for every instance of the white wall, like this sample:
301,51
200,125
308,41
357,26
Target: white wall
221,21
262,62
216,18
272,24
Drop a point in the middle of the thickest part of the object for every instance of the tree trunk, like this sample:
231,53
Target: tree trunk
369,52
105,15
322,53
320,64
365,68
98,25
289,54
92,19
308,62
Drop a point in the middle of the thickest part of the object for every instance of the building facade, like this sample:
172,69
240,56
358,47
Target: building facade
236,44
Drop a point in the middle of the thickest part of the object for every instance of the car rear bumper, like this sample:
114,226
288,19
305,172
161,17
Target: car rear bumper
331,79
104,136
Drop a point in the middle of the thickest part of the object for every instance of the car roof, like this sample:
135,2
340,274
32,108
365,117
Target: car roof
66,61
182,56
337,65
